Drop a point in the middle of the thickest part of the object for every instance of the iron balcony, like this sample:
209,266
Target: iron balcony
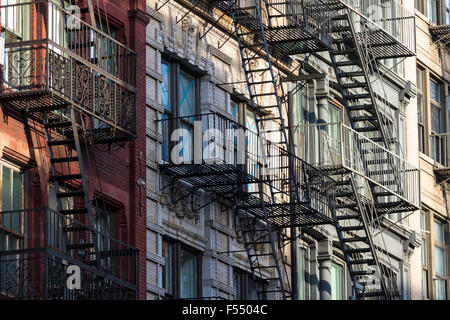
53,59
225,158
37,246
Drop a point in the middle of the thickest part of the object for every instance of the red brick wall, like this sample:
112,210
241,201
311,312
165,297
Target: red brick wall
118,169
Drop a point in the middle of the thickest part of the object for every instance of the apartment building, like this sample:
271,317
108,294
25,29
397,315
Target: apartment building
282,151
433,109
72,202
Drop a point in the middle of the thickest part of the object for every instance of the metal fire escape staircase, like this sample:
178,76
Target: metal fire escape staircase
360,202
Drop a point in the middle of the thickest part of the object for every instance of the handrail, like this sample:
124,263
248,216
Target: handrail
342,148
90,45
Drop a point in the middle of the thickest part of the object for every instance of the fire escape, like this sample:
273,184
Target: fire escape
361,175
441,141
75,86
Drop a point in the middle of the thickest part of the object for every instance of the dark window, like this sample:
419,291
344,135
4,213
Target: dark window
246,287
436,112
420,111
181,274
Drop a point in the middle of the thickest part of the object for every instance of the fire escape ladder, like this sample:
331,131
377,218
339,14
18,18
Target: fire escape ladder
62,135
266,102
353,68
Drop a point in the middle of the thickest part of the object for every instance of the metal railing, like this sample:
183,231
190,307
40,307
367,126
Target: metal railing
440,149
313,16
337,145
66,33
211,138
37,246
389,16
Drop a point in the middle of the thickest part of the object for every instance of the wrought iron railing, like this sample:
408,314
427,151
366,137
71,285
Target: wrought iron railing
49,50
313,16
213,139
336,145
388,16
440,149
41,248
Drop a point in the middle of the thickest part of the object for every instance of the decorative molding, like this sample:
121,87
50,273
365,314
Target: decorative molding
156,258
155,74
152,13
18,159
220,55
139,16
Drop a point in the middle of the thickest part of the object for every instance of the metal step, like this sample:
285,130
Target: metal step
363,261
363,273
62,124
348,217
80,246
357,250
355,239
75,229
66,177
351,228
62,160
70,194
61,142
74,211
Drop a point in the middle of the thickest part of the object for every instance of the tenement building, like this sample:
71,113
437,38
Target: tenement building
297,149
72,206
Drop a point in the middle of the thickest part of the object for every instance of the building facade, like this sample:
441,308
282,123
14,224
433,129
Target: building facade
72,202
199,242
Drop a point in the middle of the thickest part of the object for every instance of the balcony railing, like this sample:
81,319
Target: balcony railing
51,50
390,25
41,248
333,146
214,141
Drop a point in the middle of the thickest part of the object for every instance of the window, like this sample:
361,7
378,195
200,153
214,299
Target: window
181,274
436,113
425,268
447,12
252,148
432,10
440,260
302,274
336,281
178,88
420,113
11,184
334,117
246,287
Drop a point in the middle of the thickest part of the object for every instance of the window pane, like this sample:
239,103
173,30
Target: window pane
186,95
439,254
424,253
188,274
432,10
439,232
237,283
165,85
435,91
167,273
6,189
436,119
16,200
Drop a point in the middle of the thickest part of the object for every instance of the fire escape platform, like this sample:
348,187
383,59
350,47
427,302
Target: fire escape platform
106,273
217,178
441,33
284,214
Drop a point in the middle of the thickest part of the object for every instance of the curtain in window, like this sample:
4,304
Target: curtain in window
188,275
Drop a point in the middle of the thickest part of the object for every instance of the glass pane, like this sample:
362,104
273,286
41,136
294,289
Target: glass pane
302,274
165,85
435,91
419,108
167,275
188,275
439,232
6,189
17,200
237,285
432,10
234,109
439,254
186,96
424,253
436,119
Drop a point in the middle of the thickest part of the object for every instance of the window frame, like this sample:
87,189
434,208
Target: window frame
245,279
176,67
177,247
